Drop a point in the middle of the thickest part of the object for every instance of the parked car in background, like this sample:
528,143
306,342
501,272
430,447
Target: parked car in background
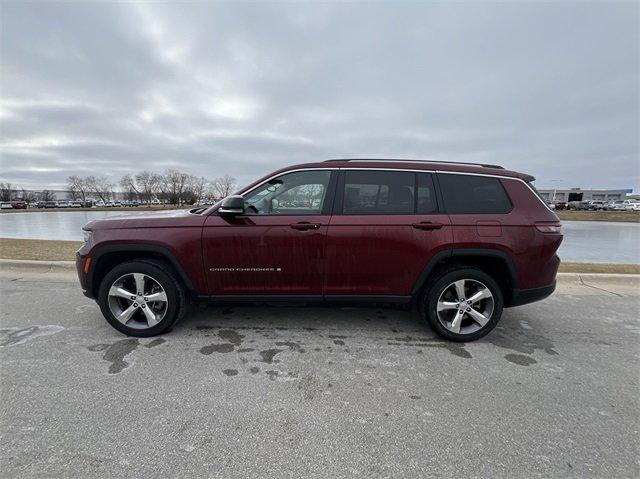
63,204
614,205
460,241
5,205
75,204
109,204
631,205
551,205
560,205
579,205
50,204
595,205
19,205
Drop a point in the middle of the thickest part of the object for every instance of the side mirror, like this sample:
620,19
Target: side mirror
232,205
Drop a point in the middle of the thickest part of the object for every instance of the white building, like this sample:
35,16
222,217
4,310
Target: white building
577,194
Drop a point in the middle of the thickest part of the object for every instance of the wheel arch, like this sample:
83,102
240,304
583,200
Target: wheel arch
496,263
108,256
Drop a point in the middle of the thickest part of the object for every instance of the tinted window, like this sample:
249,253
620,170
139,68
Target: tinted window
473,194
426,194
378,193
301,193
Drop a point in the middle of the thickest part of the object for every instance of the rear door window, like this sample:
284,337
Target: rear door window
375,192
378,193
469,194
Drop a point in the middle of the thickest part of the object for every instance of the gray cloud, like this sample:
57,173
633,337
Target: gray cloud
550,89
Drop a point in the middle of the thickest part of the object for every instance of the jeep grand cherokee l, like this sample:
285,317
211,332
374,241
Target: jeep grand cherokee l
459,241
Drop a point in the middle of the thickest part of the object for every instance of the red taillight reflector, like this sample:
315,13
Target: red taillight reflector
549,228
87,264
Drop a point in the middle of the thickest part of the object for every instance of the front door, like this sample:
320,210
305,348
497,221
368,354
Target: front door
278,246
384,230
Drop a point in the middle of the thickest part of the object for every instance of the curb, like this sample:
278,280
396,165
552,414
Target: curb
598,275
38,266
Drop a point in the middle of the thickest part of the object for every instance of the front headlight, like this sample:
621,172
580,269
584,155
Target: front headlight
87,236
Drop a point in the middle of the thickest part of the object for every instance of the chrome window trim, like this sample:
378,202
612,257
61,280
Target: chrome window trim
284,173
346,168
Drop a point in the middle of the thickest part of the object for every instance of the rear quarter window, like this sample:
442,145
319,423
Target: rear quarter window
468,194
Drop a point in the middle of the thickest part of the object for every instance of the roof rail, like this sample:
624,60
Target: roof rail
484,165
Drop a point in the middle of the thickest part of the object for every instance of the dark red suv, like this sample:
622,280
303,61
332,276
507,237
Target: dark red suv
460,241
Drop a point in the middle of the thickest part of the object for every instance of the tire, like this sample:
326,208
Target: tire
150,313
484,314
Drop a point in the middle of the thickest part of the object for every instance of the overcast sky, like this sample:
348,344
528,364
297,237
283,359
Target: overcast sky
244,88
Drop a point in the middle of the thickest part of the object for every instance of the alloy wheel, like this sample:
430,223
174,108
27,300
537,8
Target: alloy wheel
137,300
465,306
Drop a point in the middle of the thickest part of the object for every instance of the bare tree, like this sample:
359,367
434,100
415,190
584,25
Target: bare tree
129,187
174,183
224,186
47,195
149,184
28,196
78,187
197,187
6,191
100,186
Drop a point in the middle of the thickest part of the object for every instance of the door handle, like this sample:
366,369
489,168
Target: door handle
305,226
427,225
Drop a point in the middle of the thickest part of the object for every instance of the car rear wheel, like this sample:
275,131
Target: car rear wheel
462,304
141,298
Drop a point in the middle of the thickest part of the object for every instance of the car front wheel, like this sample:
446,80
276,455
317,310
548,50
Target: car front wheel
462,304
141,298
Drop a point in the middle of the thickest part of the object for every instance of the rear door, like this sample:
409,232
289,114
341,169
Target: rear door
385,228
278,246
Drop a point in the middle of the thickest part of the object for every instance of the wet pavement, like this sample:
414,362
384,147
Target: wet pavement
263,391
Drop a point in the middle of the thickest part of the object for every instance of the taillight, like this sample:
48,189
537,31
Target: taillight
549,228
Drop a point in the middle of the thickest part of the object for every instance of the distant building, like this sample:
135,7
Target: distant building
577,194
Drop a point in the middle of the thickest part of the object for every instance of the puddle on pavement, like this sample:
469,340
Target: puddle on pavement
15,336
521,341
116,353
520,359
457,349
268,354
217,348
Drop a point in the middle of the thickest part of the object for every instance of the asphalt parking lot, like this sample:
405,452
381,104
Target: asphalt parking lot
256,391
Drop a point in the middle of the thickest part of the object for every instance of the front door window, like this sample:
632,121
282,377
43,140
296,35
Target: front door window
299,193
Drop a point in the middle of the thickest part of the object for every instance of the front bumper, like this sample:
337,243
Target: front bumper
526,296
81,265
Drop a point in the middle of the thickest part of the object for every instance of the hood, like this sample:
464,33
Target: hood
148,219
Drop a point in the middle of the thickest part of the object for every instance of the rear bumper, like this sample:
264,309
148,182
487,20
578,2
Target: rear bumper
526,296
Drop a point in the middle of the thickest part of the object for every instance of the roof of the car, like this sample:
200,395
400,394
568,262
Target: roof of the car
403,164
